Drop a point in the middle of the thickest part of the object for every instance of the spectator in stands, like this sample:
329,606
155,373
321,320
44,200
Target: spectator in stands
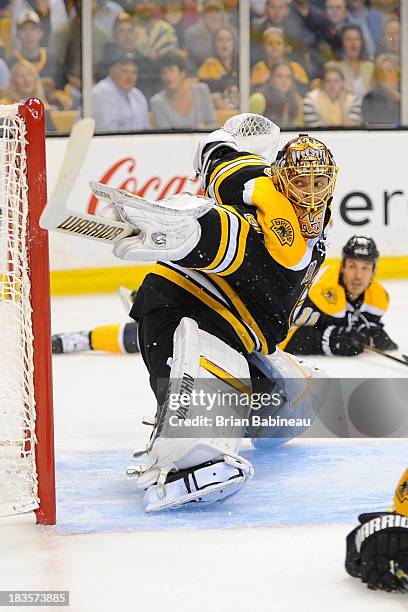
391,36
106,14
303,30
275,15
279,99
370,21
275,49
4,77
154,35
220,71
357,69
6,44
65,45
198,38
181,14
231,8
337,18
257,10
381,106
331,105
117,104
52,14
25,83
181,104
29,35
125,40
302,24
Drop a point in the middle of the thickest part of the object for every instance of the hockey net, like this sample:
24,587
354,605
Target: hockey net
26,436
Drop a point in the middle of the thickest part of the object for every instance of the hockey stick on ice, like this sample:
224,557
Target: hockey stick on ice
57,216
404,359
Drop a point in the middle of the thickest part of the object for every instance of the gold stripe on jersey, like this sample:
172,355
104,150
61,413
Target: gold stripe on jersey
214,369
282,345
243,311
234,234
241,244
222,249
201,294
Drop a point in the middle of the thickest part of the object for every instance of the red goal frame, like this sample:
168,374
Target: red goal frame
33,114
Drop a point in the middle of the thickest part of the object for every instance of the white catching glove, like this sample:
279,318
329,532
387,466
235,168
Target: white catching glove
164,230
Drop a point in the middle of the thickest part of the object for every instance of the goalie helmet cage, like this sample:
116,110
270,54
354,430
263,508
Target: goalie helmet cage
27,475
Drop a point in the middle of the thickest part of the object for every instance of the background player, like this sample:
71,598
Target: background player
344,307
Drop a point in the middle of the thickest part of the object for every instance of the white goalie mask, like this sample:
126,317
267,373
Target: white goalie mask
246,132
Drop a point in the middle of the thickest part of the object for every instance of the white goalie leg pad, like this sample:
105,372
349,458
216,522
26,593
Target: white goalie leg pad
303,388
203,367
164,230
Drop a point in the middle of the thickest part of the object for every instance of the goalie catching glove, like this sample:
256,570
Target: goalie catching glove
377,551
164,230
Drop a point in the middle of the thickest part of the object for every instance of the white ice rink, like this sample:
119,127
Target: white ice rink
277,546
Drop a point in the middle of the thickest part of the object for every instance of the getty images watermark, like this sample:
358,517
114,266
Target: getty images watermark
197,408
318,408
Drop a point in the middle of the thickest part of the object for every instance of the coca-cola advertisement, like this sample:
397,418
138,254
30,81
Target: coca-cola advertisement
157,166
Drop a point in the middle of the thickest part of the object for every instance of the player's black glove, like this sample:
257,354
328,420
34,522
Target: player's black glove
375,334
378,337
343,340
377,551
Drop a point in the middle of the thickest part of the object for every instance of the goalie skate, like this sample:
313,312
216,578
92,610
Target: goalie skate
208,483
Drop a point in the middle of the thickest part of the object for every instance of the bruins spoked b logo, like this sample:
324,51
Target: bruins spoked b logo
284,231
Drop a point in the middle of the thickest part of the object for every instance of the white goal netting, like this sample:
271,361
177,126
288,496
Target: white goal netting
18,479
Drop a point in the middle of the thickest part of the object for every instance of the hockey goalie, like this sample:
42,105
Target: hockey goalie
232,268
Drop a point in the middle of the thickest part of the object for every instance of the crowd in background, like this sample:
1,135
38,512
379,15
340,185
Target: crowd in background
174,64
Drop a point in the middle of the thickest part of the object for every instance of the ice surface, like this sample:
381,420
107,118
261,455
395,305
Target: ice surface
277,546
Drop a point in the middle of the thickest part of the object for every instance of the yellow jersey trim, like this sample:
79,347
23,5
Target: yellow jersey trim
243,311
200,294
223,241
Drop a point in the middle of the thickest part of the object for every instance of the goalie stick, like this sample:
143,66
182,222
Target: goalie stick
57,216
403,359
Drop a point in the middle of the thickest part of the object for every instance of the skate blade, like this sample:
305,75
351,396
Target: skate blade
210,494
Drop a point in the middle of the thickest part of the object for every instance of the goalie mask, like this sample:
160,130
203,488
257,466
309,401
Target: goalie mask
246,132
305,172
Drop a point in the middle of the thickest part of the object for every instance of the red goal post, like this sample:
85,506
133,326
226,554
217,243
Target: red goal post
27,473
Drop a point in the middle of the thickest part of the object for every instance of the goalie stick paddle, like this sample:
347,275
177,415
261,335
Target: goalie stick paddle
57,216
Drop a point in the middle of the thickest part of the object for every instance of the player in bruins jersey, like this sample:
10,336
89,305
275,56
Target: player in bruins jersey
377,549
344,307
230,270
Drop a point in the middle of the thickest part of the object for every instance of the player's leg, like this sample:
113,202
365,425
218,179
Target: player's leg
192,463
116,338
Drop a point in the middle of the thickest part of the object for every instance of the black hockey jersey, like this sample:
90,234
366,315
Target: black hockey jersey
252,268
327,304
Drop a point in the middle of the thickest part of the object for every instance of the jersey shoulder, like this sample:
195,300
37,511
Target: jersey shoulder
376,298
327,293
227,177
